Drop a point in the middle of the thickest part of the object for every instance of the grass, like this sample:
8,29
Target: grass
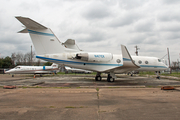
146,73
173,74
51,106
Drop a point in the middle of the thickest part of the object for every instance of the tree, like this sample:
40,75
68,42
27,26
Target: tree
47,64
22,59
6,62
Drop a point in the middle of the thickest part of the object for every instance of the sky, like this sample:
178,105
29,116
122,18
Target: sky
97,25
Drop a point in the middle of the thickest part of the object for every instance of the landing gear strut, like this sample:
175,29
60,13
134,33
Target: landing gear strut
98,77
157,73
111,77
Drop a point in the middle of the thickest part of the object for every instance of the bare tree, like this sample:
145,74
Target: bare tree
21,58
13,58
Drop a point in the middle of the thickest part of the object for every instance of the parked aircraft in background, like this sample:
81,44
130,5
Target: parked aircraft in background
49,48
74,70
33,70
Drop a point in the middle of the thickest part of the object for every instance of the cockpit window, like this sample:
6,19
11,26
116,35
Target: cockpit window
17,67
159,60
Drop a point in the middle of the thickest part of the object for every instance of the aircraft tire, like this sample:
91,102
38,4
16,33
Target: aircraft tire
98,78
110,79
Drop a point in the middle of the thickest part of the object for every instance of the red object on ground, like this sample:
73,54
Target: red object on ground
167,88
9,87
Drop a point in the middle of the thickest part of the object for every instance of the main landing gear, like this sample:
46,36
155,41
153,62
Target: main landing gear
98,77
110,78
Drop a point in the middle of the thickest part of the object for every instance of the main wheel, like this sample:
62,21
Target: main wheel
98,78
110,79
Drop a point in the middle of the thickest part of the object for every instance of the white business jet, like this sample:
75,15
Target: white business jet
33,70
49,48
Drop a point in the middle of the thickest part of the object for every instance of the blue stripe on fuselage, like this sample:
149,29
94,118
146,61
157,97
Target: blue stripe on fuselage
153,66
74,62
125,59
40,33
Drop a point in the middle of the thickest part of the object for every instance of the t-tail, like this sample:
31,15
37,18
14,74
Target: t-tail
44,40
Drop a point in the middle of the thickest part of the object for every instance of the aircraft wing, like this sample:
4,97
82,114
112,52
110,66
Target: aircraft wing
128,63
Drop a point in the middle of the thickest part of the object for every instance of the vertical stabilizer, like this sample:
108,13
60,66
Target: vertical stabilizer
44,40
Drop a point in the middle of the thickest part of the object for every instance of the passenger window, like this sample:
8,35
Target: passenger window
146,62
118,60
139,61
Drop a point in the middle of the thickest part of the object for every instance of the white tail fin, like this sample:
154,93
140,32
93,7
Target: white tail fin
44,40
54,65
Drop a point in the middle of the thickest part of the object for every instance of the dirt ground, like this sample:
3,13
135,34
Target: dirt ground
89,104
80,97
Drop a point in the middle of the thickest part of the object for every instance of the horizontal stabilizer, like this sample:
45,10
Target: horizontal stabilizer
29,23
23,31
70,43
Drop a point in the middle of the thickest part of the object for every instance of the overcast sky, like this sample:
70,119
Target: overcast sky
96,25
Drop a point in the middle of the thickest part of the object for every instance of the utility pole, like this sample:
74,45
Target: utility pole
136,47
169,59
31,54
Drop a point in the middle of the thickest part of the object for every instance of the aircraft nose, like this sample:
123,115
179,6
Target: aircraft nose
6,71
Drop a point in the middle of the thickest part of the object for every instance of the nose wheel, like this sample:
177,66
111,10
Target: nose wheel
157,73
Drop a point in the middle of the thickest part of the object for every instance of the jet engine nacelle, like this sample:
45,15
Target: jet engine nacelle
95,57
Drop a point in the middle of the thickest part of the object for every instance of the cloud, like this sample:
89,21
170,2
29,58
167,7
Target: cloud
125,19
144,26
131,4
96,25
96,10
171,2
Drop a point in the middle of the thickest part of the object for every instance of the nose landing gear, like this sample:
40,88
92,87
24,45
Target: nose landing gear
157,73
